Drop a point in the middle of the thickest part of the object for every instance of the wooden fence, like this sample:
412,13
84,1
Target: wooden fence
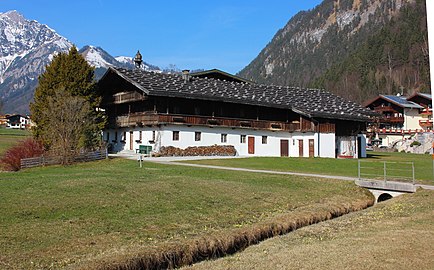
44,161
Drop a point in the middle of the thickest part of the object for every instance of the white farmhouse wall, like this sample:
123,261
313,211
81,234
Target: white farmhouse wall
327,142
411,119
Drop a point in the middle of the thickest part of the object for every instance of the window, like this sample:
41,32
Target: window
176,110
224,138
197,136
108,137
243,139
116,137
264,139
197,110
175,136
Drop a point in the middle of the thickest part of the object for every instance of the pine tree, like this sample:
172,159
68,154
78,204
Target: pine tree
68,75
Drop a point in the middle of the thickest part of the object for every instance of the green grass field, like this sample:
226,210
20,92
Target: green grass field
342,167
10,137
396,234
55,217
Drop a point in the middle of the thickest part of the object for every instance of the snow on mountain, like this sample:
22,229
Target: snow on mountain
97,57
124,59
27,47
129,62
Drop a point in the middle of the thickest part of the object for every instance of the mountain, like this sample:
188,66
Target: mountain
354,48
102,60
26,47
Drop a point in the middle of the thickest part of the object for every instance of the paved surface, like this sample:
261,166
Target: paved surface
175,161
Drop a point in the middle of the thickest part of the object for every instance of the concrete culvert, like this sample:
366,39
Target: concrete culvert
384,197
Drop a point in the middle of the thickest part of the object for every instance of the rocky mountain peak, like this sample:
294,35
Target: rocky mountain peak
27,47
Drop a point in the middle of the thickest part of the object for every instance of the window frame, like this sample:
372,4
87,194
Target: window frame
243,139
197,136
175,135
224,138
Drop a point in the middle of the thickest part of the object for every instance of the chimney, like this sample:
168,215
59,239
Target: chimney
186,75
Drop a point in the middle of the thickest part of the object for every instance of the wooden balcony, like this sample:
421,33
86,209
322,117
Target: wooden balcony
426,111
426,123
393,120
151,118
125,97
381,109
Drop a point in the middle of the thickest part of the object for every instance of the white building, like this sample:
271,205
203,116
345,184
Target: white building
18,122
399,118
157,110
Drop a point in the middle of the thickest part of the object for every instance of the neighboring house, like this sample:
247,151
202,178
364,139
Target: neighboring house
399,117
424,100
18,121
154,109
3,119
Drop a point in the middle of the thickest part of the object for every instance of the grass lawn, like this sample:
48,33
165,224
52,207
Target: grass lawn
342,167
9,137
396,234
56,217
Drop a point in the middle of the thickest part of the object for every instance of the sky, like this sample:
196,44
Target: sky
193,34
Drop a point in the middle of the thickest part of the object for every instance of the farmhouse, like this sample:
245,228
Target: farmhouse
216,108
18,121
400,117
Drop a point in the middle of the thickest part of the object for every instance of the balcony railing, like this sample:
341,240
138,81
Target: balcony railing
426,123
151,118
384,109
125,97
426,111
398,119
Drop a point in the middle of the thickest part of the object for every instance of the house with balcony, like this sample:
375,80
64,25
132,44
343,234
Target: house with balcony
18,121
424,100
399,117
210,108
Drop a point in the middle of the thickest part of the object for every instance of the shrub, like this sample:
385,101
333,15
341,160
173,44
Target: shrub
415,143
25,149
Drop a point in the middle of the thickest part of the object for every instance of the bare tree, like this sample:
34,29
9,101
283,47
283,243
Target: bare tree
68,117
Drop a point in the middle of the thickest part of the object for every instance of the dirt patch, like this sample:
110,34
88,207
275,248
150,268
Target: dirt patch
225,243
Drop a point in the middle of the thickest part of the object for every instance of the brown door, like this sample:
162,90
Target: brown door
251,145
311,148
131,140
300,148
284,148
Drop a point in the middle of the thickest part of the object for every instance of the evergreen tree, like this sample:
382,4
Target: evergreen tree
68,75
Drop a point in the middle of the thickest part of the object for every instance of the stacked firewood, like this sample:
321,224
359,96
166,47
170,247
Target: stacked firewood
214,150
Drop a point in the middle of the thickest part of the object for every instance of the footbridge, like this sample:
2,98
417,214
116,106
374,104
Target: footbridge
384,190
386,179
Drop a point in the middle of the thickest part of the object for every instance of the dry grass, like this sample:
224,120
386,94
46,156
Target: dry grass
228,242
396,234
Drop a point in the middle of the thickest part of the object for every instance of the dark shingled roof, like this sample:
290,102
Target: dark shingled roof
309,102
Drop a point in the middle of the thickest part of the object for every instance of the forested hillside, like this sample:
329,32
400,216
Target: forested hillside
394,60
354,48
